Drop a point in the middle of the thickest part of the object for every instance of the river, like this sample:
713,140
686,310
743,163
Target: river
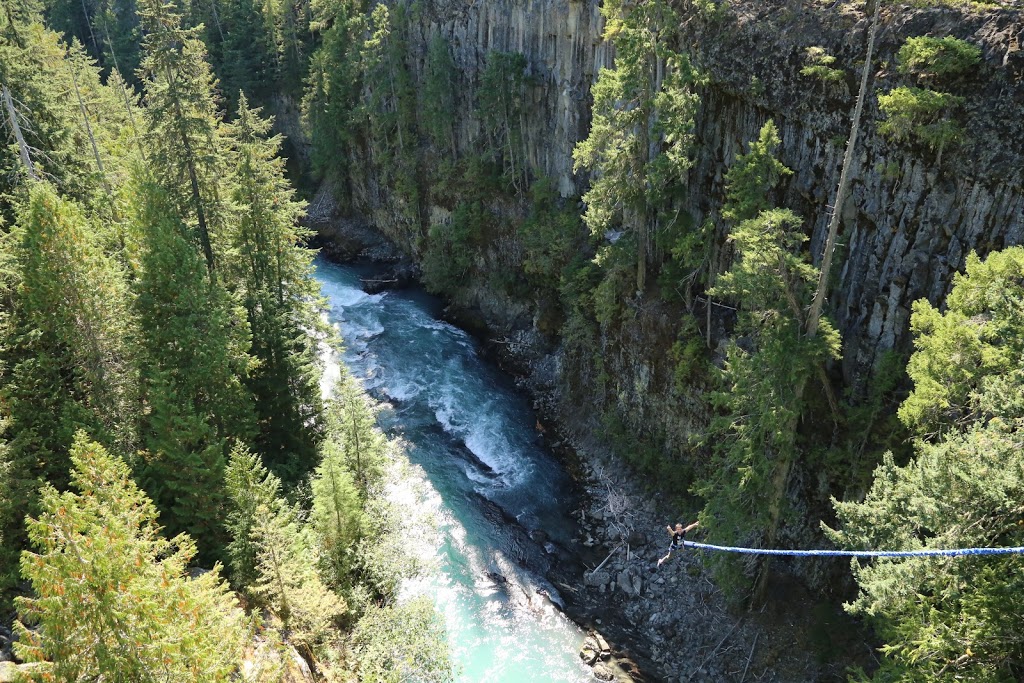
503,501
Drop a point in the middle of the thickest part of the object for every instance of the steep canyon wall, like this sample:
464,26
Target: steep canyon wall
908,225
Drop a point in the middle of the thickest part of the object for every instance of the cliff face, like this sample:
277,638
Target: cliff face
909,222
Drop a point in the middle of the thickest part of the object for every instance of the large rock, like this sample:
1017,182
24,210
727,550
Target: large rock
595,579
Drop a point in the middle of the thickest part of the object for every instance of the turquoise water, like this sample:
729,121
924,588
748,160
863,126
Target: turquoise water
491,485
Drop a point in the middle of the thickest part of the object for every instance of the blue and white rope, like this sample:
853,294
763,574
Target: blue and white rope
956,552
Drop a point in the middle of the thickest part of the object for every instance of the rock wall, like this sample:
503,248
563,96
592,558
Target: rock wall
909,221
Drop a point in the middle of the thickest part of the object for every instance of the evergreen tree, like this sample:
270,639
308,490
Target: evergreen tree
352,427
193,360
640,139
182,141
333,85
762,397
336,516
288,582
437,105
67,364
502,113
112,598
250,487
272,270
960,619
402,642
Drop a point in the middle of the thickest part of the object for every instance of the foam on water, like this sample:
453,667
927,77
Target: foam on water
470,434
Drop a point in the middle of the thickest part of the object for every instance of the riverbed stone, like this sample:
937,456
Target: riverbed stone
594,579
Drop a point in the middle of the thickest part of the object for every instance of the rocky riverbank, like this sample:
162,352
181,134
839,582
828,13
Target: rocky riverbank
646,623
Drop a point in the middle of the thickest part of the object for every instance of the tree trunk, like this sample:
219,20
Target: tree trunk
814,316
16,129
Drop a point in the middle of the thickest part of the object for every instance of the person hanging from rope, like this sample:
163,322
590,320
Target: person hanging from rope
678,538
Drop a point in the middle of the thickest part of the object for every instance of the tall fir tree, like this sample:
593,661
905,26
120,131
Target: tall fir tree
112,599
272,271
641,138
185,149
67,363
194,359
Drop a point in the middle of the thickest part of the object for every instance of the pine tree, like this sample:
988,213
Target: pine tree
641,137
960,619
762,392
352,427
288,581
193,361
184,148
250,487
112,598
272,270
333,85
336,516
67,364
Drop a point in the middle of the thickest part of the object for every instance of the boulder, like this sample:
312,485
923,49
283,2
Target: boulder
594,579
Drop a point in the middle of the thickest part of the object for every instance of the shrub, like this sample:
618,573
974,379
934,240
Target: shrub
819,66
920,114
937,58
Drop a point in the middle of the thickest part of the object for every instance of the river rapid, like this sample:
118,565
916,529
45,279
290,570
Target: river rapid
501,499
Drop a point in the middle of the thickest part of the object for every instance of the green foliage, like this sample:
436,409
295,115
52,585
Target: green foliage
933,59
502,110
819,66
640,143
945,620
333,85
184,150
448,256
273,273
437,102
250,490
689,354
965,367
352,429
551,235
112,598
961,619
752,176
402,642
337,515
390,106
922,115
288,581
66,363
193,359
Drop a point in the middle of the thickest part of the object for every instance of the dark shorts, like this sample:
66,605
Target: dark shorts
676,546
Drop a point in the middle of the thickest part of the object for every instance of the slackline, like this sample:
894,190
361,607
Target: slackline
953,552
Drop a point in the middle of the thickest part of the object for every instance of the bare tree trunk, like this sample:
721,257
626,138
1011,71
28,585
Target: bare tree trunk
780,482
16,129
814,316
88,131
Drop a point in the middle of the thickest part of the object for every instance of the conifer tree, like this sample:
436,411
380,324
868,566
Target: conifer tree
288,581
193,361
111,598
272,271
762,395
250,487
352,427
337,515
960,619
67,365
185,150
402,642
333,85
632,108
